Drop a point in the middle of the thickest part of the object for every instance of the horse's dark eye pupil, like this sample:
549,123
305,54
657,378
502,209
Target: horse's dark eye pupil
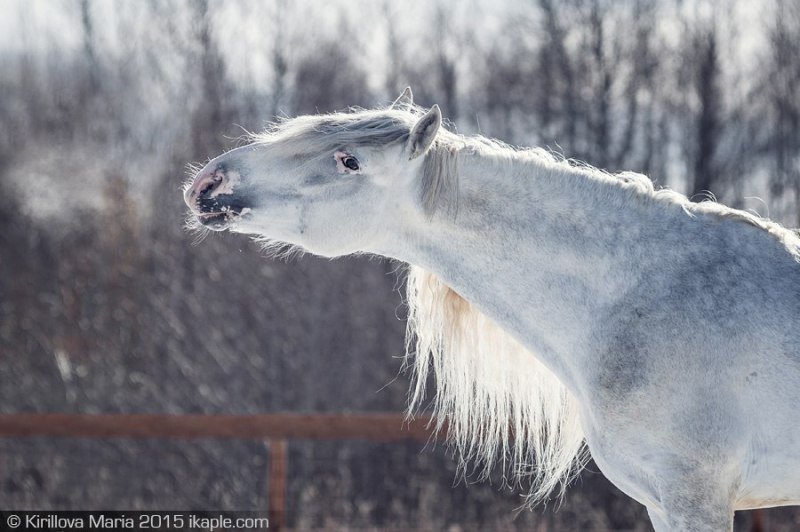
351,163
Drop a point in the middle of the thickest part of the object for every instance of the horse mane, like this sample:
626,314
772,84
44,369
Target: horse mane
499,404
633,185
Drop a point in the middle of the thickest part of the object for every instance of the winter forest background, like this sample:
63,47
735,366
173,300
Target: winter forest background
106,306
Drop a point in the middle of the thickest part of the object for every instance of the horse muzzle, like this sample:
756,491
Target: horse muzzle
212,197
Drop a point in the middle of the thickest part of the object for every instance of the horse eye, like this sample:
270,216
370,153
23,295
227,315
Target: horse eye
346,162
351,163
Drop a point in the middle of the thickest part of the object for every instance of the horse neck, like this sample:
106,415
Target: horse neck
539,247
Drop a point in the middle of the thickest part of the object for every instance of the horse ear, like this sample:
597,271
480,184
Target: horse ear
423,133
406,99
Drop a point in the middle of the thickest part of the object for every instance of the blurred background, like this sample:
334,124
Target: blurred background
107,306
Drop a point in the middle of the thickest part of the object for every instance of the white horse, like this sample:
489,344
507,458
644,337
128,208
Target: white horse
554,303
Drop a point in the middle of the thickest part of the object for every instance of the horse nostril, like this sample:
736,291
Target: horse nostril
207,184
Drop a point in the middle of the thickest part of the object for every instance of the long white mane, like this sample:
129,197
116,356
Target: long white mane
499,404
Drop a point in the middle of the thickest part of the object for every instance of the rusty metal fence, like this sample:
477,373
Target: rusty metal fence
274,429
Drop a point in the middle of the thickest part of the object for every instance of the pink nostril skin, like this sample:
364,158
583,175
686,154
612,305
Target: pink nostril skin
203,185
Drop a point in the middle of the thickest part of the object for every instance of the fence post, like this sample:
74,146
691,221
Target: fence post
758,521
277,464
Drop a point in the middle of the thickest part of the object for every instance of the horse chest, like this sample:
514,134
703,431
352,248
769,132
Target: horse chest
616,456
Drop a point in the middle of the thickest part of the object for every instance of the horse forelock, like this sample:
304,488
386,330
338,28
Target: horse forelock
320,134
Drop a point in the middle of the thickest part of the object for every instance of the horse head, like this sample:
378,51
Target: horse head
329,184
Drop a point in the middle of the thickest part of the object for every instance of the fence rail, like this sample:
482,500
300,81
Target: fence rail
382,427
274,429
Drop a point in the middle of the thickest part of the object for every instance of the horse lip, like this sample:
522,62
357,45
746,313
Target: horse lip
219,220
231,212
216,221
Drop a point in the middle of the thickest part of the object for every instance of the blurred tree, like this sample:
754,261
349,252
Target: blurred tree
431,63
603,69
714,131
394,57
214,106
647,121
119,266
89,54
558,88
505,101
445,50
329,81
280,60
590,89
780,87
706,86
